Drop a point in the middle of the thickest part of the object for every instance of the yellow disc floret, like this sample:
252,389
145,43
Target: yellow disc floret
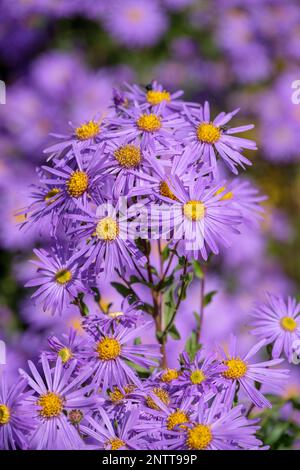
108,349
50,195
116,443
129,156
149,122
169,375
87,130
208,133
288,324
199,437
197,377
63,276
155,97
77,184
194,210
165,191
51,405
65,354
225,196
176,418
107,229
161,394
4,414
237,368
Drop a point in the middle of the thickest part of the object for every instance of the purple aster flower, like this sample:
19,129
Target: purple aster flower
215,428
108,354
53,396
59,278
153,129
240,370
15,424
208,139
69,348
278,321
201,218
202,376
135,23
118,434
109,246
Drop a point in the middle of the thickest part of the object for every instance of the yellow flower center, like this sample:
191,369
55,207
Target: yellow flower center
288,324
116,443
199,437
197,377
226,196
208,133
156,97
51,404
87,130
194,210
77,184
107,229
236,368
108,349
135,15
165,191
4,414
176,418
65,354
161,394
63,276
169,375
129,156
50,194
116,395
149,122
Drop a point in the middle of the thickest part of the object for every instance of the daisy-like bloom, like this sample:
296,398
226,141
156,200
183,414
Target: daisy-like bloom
128,316
106,231
108,354
54,393
200,377
126,161
83,137
278,320
110,434
69,348
152,128
202,221
135,23
246,199
70,183
154,94
215,428
15,424
59,278
241,371
211,139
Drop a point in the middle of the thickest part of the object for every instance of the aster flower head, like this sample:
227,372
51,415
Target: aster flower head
135,23
59,278
117,434
69,347
108,354
278,321
201,217
215,428
103,232
211,139
55,393
15,423
241,370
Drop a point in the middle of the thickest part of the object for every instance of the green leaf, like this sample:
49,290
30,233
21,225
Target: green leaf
208,297
198,269
192,346
173,332
123,290
165,253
